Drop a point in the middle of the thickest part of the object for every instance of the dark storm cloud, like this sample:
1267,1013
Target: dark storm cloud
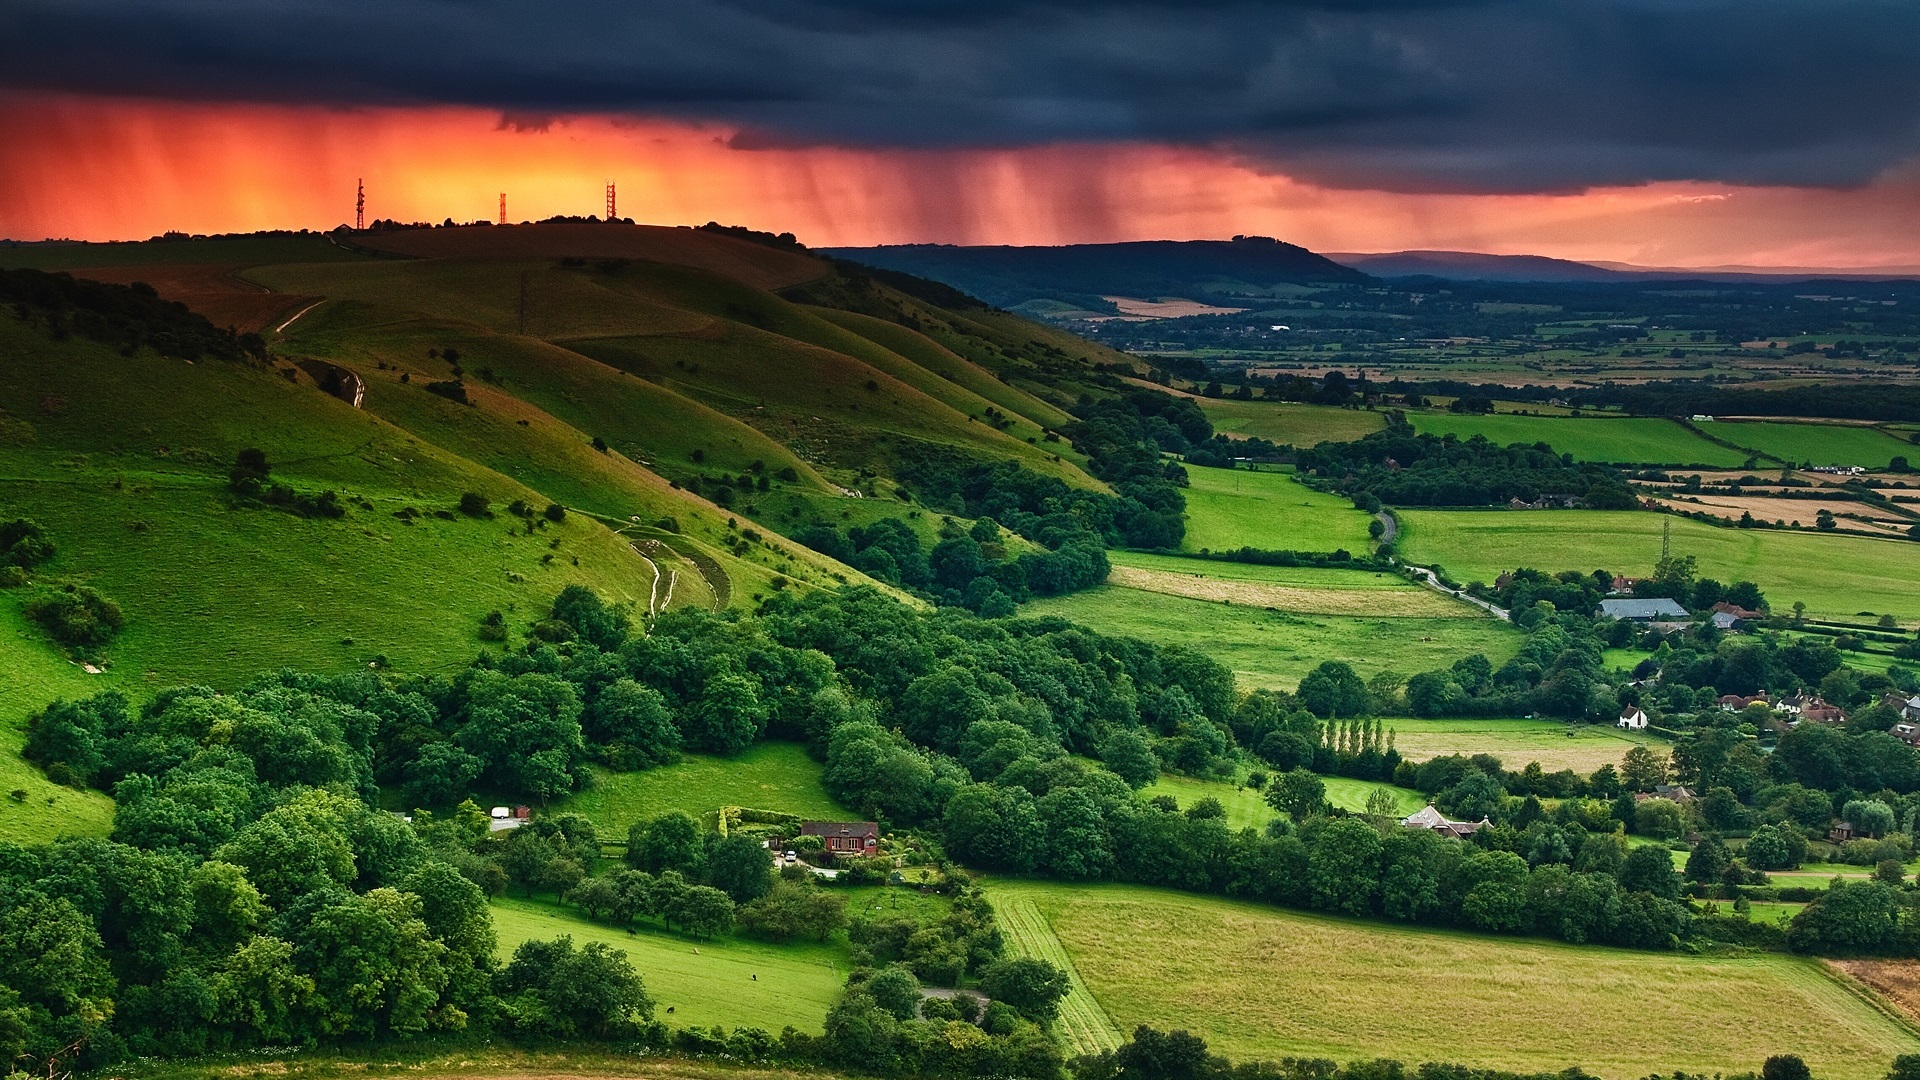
1402,94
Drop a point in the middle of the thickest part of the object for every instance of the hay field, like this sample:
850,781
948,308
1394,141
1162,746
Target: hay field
1582,747
1257,982
1349,592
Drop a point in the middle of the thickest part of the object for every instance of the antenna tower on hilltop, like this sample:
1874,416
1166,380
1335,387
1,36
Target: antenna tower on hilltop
612,212
359,205
1666,538
503,208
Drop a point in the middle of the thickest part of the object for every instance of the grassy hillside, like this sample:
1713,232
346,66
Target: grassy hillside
1832,575
1263,983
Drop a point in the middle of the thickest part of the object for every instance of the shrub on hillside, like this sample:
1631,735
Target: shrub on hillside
24,544
76,616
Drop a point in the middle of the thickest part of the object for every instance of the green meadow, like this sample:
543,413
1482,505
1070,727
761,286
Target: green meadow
1832,575
1289,423
1229,509
1817,444
768,776
1609,439
1264,982
1274,649
731,981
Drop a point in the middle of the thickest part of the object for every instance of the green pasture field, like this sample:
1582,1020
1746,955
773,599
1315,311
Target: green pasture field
766,776
1289,423
1555,745
1623,659
1349,794
1819,444
1285,588
1229,509
1262,982
705,982
1777,912
1248,809
1274,649
1647,440
1832,575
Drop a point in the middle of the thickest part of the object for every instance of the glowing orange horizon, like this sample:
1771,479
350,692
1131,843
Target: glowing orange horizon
97,169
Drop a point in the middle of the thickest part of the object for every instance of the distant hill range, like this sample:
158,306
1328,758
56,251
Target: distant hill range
1082,275
1078,280
1475,266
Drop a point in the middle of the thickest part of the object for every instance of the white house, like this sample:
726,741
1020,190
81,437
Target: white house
1632,719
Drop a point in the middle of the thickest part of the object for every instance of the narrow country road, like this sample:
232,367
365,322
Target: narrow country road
1432,579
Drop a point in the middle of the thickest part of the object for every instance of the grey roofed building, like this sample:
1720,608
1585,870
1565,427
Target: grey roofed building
1642,610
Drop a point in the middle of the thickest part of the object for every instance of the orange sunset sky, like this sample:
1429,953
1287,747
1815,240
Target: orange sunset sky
94,168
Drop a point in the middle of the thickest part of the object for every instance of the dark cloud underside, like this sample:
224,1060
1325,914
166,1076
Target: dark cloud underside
1474,96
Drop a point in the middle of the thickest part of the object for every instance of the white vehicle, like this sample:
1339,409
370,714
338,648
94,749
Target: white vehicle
793,856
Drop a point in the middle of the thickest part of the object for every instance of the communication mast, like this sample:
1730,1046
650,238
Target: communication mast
359,205
503,208
1666,539
612,212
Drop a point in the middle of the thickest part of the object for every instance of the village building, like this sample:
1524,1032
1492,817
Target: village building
1434,820
1641,610
1736,702
1632,719
845,837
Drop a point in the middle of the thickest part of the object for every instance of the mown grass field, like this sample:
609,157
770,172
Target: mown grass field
1262,982
704,982
1289,423
1819,444
1235,508
1582,747
767,776
1300,589
1274,649
1832,575
1610,439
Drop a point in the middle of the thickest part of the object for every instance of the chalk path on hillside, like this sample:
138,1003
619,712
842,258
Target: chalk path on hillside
1083,1025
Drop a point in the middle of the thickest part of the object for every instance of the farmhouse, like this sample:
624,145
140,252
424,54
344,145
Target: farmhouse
1621,585
1736,702
1906,733
1430,818
1641,610
844,837
1739,613
1811,707
1907,707
1632,719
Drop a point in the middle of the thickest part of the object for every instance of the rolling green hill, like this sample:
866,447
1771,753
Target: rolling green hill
683,416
